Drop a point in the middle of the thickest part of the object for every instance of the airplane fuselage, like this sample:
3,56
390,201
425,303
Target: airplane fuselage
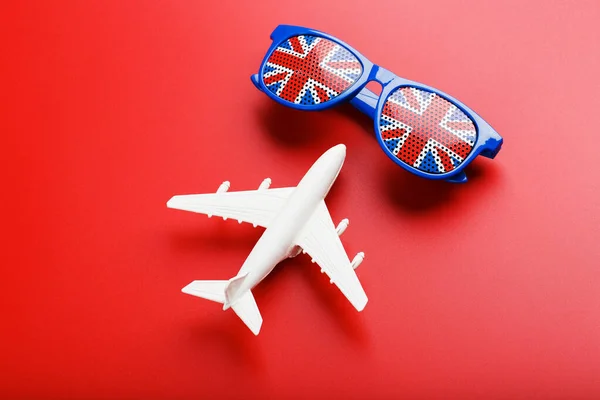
277,242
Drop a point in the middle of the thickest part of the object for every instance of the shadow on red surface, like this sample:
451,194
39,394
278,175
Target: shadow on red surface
409,192
223,334
417,195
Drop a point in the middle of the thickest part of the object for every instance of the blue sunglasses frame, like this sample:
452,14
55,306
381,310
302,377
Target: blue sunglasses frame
487,144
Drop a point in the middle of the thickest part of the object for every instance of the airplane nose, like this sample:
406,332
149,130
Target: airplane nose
334,156
339,149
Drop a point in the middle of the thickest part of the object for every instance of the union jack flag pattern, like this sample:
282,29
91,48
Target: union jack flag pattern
426,131
310,70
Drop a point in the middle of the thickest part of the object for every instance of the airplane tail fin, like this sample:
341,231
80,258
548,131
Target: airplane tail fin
243,304
232,288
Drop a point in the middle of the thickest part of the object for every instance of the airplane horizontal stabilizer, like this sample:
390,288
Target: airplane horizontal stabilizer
210,290
245,308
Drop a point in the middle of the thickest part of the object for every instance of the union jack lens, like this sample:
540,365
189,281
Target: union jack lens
426,131
310,70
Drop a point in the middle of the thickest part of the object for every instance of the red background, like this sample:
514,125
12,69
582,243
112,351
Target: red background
489,289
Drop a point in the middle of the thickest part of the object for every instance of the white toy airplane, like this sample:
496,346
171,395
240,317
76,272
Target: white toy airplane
296,219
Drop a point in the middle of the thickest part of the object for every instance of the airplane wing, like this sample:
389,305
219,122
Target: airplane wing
320,240
257,207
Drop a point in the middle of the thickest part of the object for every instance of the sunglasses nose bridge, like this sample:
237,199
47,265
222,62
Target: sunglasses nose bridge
381,75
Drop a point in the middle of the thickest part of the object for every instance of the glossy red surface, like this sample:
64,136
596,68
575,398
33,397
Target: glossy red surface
484,290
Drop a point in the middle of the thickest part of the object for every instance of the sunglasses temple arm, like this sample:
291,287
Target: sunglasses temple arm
366,102
254,79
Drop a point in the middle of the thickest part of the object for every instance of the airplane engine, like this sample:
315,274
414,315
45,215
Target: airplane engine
265,184
224,187
358,259
342,226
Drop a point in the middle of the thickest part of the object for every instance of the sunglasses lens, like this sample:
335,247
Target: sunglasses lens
310,70
426,131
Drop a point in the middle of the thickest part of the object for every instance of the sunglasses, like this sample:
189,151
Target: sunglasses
420,128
